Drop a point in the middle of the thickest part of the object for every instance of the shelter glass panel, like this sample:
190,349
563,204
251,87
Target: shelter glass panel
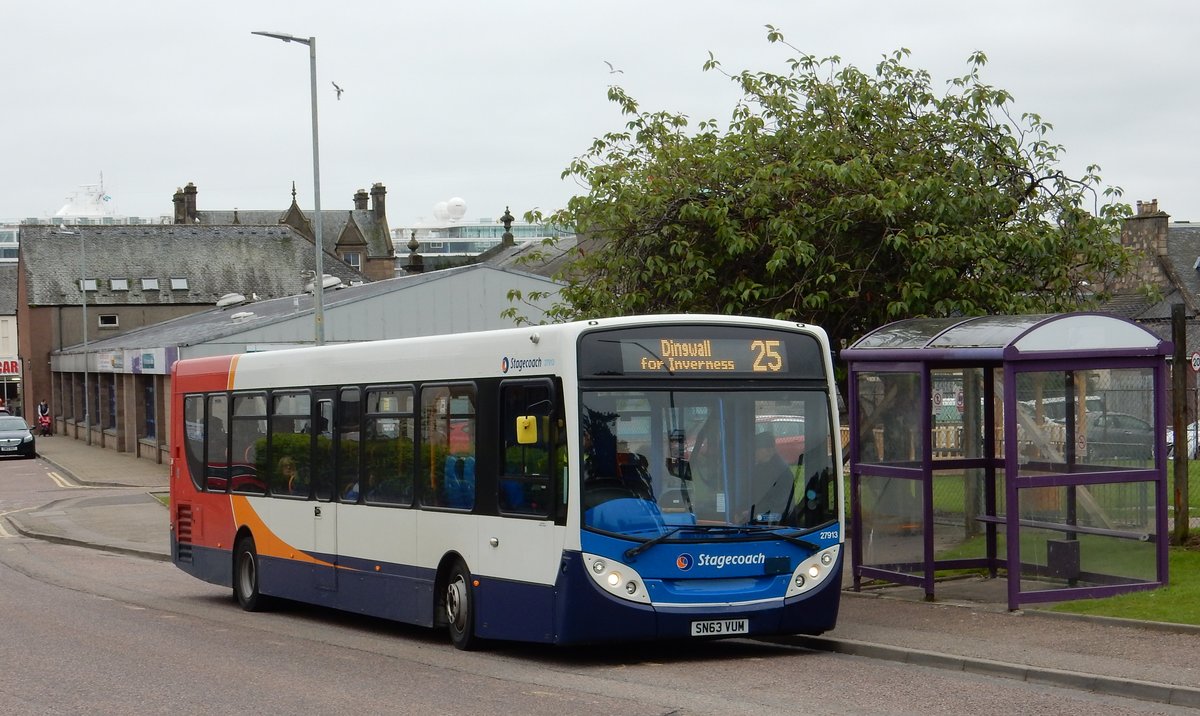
889,417
1092,535
893,532
957,402
1101,419
959,503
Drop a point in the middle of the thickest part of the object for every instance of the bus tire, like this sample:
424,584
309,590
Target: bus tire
245,576
460,608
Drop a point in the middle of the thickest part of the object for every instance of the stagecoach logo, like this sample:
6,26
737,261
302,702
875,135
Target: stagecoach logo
684,561
517,365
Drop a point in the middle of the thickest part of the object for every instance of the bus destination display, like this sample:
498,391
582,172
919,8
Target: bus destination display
703,355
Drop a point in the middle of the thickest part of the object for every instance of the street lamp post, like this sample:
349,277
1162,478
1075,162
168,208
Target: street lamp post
319,274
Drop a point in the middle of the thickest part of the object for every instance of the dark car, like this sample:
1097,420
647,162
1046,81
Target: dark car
1118,435
15,437
789,435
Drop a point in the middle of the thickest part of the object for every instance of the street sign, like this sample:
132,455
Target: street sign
1196,362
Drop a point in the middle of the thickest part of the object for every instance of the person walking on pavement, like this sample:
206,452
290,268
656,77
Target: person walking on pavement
43,418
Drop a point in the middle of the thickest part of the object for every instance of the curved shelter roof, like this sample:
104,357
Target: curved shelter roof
1006,338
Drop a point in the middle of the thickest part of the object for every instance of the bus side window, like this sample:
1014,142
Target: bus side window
193,423
217,457
387,447
447,460
526,471
249,437
349,436
291,414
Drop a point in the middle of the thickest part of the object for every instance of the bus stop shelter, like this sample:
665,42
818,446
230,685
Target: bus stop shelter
1035,445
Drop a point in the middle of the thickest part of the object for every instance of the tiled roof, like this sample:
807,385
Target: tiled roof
537,258
333,223
8,289
218,323
1180,265
215,260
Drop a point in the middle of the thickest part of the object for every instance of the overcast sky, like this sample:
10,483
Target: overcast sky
489,101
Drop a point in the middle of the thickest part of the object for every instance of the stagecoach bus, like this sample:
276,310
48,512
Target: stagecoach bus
655,477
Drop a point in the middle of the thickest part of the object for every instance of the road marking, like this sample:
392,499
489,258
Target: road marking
4,532
62,481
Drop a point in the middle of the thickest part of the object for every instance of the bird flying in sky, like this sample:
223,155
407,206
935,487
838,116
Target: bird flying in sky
612,70
337,89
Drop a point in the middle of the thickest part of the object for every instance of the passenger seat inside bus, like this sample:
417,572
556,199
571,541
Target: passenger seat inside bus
460,481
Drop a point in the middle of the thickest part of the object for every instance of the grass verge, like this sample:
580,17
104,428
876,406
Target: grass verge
1177,603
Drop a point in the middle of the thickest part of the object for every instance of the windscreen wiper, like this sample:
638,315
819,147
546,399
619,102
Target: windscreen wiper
633,552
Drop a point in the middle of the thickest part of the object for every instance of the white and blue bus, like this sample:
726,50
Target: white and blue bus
653,477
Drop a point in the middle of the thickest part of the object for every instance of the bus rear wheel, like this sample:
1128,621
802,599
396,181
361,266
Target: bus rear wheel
245,576
460,608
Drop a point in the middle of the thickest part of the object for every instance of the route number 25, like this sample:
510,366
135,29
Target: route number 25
768,357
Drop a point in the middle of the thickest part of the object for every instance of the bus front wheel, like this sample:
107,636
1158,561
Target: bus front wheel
245,576
460,608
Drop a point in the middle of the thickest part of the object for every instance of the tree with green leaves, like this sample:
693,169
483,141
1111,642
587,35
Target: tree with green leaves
837,197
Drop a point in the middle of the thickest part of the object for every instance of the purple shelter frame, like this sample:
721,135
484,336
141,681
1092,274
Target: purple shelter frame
1008,346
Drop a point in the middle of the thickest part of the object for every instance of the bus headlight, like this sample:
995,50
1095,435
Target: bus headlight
619,580
813,571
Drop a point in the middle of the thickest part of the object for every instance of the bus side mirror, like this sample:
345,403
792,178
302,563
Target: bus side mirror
527,433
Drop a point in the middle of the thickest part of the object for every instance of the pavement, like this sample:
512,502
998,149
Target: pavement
968,628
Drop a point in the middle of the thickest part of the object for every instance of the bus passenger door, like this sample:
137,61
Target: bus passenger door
324,508
520,549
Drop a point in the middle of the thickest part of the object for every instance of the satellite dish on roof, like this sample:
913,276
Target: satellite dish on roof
230,299
441,210
456,207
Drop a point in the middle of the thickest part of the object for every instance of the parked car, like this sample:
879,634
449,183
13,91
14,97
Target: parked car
16,438
1119,435
789,435
1192,432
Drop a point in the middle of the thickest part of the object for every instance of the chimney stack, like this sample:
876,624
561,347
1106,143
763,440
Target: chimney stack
180,211
189,203
377,200
360,200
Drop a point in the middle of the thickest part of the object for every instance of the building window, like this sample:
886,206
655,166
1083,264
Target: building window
149,284
89,284
148,431
354,259
109,320
118,284
110,414
179,284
